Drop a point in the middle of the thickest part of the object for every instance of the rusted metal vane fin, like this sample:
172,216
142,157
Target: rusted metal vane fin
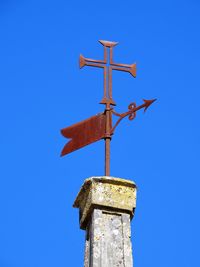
84,133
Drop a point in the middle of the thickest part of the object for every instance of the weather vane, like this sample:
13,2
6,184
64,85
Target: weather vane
100,126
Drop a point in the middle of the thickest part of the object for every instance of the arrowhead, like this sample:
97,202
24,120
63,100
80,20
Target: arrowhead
148,103
81,61
133,70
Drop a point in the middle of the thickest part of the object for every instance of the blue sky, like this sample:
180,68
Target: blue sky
42,90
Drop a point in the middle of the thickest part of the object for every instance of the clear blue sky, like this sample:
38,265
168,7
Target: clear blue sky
42,90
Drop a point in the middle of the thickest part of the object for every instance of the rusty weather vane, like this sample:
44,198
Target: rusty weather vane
100,126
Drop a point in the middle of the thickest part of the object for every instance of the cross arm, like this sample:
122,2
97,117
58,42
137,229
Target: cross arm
125,67
91,62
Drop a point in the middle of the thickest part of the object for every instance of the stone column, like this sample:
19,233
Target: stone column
106,207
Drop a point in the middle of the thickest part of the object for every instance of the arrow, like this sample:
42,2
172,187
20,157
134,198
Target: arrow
132,111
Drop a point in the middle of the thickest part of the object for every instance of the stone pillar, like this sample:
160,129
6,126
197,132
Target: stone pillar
106,207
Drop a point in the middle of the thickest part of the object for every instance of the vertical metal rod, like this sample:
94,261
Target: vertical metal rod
105,73
104,82
107,140
107,152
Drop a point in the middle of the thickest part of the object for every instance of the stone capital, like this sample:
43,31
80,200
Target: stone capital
105,193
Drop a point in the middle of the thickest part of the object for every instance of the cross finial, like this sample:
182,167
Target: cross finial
107,64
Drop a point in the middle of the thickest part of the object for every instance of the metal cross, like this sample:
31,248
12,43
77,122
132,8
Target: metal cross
108,65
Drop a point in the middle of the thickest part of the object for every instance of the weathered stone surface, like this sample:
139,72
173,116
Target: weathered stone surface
106,206
105,192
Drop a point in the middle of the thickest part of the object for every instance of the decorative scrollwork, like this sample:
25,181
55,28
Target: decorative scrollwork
131,108
131,113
